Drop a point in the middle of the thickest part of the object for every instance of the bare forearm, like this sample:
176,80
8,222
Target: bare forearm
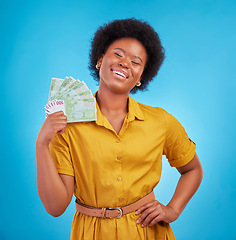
51,189
154,212
188,184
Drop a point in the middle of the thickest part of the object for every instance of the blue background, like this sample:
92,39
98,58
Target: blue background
45,39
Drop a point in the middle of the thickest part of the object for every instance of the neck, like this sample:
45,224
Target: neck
111,103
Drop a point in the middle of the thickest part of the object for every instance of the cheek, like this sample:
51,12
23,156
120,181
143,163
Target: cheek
104,72
138,73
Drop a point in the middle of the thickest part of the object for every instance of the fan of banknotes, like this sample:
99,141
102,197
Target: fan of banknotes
73,98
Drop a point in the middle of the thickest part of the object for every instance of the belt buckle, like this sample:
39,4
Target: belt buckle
120,210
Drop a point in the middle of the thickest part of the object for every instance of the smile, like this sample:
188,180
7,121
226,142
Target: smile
120,73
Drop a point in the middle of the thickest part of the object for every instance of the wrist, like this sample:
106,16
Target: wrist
173,209
41,144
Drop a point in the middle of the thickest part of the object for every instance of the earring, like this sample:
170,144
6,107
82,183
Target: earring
138,84
98,66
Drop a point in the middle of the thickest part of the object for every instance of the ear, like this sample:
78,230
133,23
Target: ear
140,79
99,62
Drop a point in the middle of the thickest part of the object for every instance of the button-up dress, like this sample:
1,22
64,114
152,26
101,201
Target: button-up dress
114,170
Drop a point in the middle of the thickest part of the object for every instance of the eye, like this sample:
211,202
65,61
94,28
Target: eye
117,54
135,63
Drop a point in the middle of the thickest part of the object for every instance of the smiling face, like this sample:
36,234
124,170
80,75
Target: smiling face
122,65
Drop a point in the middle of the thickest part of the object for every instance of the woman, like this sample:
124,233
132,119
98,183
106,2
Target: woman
113,163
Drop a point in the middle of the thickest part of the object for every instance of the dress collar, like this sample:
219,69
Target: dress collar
134,112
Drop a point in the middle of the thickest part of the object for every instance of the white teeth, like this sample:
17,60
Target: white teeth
119,73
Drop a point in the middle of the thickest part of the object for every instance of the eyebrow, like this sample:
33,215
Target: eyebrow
125,51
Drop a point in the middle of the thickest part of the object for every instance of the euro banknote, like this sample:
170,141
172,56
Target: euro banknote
73,98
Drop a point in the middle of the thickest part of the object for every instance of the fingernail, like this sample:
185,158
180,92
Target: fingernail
142,225
136,212
138,221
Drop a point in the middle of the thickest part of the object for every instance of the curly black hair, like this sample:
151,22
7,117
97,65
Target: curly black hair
133,28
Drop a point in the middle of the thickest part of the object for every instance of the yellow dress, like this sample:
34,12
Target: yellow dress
113,170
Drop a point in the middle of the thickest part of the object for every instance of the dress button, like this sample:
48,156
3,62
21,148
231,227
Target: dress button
117,140
119,157
119,178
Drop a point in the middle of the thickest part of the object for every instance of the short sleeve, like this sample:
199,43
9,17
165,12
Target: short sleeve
178,148
60,153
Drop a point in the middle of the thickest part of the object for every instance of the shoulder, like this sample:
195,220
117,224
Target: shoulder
151,111
159,114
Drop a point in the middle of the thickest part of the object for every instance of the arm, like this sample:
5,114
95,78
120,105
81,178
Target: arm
190,180
55,190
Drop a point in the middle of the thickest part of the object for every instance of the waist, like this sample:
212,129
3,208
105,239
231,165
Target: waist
115,212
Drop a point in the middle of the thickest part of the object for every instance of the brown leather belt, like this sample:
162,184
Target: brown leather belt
115,212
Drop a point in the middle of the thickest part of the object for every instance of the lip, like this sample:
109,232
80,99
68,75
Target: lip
119,70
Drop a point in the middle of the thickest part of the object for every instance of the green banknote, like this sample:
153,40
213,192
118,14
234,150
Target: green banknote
67,82
54,88
73,98
80,110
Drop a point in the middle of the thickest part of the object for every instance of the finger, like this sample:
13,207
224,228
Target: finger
55,127
157,219
62,131
149,218
59,121
162,217
58,127
58,113
144,207
61,126
58,116
146,213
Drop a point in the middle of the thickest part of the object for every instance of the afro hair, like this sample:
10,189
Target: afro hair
132,28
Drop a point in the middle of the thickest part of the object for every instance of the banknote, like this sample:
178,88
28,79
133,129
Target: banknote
67,82
73,98
54,106
55,85
75,88
80,110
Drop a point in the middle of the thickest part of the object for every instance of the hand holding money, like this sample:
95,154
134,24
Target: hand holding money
55,122
73,98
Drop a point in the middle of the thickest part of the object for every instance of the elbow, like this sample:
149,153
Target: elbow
201,173
55,212
55,209
199,169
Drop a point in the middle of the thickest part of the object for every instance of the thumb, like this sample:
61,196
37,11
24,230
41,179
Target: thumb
62,130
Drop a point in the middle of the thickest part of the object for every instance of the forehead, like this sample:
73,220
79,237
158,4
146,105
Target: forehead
130,46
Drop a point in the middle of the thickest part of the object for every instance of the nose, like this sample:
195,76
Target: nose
124,63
